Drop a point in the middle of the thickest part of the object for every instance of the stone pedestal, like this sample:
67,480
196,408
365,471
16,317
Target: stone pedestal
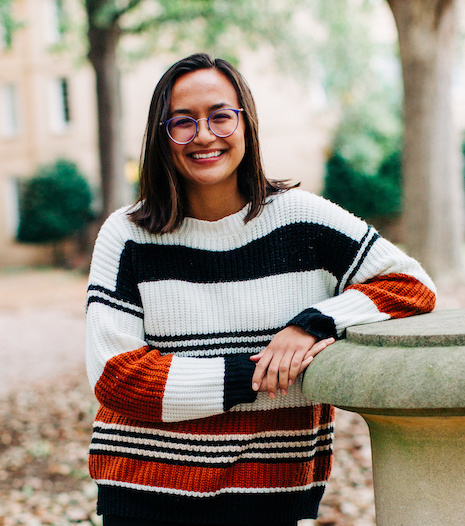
407,380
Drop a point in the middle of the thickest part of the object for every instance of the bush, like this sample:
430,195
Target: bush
54,203
367,196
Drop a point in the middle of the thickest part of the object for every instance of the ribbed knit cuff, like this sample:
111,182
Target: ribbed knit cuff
239,370
315,323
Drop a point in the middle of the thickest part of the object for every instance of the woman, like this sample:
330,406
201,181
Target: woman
207,300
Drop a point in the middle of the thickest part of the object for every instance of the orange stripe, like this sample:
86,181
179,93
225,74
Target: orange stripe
133,384
236,422
205,479
398,295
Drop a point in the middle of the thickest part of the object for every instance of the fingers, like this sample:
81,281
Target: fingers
260,368
289,353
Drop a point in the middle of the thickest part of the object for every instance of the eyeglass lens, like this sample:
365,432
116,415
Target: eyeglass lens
222,123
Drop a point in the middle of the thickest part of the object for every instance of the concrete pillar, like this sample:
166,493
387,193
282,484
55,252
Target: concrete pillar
407,380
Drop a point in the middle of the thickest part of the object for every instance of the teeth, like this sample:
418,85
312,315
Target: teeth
206,155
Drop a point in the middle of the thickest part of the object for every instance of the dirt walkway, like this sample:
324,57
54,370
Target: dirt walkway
42,331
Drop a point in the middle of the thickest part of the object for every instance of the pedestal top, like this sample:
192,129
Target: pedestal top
409,366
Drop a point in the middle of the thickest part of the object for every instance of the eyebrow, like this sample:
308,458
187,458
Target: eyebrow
185,111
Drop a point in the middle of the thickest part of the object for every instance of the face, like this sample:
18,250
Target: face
207,161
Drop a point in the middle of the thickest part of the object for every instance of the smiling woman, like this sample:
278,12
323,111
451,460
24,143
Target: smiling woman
207,161
207,300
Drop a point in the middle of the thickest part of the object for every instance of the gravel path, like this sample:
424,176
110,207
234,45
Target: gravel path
46,412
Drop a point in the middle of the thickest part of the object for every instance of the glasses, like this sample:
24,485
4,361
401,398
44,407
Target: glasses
183,129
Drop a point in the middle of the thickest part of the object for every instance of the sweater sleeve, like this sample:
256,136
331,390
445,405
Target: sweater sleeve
377,282
128,377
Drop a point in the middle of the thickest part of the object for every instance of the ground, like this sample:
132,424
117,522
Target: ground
46,411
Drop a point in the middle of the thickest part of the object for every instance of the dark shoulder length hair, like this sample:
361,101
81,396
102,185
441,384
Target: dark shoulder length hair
161,205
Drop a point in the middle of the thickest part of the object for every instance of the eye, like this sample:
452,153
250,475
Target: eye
221,116
182,122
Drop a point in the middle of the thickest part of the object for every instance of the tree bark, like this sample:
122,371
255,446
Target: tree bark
433,185
103,42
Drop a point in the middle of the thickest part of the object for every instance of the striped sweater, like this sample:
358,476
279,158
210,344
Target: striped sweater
172,321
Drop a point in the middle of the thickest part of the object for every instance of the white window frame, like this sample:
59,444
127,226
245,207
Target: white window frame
11,200
59,105
10,122
53,31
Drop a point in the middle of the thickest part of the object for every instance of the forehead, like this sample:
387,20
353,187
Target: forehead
202,89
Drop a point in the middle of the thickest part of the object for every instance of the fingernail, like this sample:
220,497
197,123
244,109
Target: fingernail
272,395
290,382
284,391
255,387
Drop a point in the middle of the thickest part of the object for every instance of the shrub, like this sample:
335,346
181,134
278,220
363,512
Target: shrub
54,203
367,196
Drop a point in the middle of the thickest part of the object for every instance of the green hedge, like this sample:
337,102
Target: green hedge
54,203
367,196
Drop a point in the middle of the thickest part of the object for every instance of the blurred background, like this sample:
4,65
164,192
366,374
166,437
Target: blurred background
362,101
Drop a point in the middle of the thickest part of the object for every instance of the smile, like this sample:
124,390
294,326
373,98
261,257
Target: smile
208,155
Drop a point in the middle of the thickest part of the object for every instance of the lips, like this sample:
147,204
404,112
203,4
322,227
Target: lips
206,155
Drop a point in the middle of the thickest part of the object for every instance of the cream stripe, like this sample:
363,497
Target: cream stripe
183,493
194,389
209,460
236,448
217,438
238,306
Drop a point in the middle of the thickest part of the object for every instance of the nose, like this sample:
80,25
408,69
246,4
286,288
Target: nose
204,134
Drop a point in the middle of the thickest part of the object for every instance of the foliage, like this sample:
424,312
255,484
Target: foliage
8,23
54,203
220,27
367,196
362,78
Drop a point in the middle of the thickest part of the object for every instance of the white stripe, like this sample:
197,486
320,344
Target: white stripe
240,306
351,308
194,389
308,453
231,490
110,332
201,449
206,437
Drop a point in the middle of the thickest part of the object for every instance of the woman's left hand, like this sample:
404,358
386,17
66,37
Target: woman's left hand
288,354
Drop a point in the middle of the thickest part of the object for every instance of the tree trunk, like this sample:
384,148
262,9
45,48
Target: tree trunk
103,43
433,185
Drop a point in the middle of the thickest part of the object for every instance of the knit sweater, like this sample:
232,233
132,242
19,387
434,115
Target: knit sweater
172,321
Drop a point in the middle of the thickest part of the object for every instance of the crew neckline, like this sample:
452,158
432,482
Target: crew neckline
229,224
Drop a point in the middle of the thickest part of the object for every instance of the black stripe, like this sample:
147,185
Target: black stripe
255,449
213,335
207,347
200,442
117,306
256,508
292,248
118,294
364,255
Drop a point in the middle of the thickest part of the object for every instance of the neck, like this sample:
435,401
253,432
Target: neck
212,205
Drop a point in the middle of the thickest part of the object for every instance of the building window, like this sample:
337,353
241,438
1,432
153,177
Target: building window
9,112
60,114
11,207
54,28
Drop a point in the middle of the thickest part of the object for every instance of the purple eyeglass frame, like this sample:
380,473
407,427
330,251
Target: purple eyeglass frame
236,111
